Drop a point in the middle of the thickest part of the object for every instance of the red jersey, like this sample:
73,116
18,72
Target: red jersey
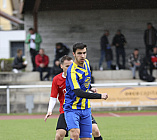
59,89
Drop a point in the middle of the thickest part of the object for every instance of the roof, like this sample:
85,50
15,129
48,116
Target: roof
47,5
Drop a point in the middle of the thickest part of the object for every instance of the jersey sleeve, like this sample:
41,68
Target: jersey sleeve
54,88
73,79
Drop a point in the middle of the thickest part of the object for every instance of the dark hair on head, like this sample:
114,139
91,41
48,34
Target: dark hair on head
106,31
119,30
136,49
18,50
31,29
59,44
79,46
149,23
56,60
66,57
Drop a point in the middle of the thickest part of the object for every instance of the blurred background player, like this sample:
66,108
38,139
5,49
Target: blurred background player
61,50
105,48
33,40
154,59
77,109
42,61
119,42
150,38
59,81
134,61
56,69
18,63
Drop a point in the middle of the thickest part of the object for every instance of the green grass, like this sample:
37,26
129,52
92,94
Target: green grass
112,128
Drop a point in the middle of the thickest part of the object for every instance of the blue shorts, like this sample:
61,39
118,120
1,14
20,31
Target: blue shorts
80,119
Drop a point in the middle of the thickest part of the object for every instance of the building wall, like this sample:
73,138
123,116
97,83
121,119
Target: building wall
5,6
6,37
87,26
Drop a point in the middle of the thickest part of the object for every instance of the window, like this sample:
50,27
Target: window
15,46
4,4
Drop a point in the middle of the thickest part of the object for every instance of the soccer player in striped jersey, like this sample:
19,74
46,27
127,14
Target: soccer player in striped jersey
77,109
58,90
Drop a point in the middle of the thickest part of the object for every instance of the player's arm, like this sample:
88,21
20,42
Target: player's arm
73,78
53,98
82,94
52,103
93,89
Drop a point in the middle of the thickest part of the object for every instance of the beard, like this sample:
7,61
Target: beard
79,61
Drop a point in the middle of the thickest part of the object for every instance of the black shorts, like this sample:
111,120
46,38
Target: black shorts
93,120
61,124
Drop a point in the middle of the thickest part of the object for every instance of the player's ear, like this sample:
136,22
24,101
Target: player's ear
61,66
73,54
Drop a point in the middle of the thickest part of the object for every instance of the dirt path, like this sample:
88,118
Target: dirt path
14,117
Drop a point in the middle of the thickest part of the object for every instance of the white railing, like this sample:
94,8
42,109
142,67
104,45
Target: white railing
8,87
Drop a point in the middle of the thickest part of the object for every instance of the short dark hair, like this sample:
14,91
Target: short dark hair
18,50
30,29
79,46
106,31
119,30
65,57
59,44
136,49
149,23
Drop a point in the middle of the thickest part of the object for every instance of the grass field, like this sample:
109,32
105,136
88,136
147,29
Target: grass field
112,128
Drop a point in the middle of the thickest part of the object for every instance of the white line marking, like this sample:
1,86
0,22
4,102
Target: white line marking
115,115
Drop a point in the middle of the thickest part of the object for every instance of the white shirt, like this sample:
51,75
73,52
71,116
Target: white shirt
32,44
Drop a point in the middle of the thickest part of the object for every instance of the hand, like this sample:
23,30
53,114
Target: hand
25,63
29,40
94,90
117,44
42,65
47,115
33,40
104,96
137,64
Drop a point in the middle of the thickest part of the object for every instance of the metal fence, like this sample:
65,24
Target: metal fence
8,87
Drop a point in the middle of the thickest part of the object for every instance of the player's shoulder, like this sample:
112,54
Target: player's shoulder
87,61
72,67
38,55
57,77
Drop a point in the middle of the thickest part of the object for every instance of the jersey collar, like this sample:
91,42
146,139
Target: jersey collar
63,75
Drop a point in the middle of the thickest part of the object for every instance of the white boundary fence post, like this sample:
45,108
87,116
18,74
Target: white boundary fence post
8,100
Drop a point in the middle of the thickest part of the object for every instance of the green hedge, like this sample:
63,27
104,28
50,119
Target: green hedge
7,64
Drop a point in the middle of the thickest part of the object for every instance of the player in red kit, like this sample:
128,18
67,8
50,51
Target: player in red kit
58,90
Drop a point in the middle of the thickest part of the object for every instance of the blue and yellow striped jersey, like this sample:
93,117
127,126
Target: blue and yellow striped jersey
77,78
